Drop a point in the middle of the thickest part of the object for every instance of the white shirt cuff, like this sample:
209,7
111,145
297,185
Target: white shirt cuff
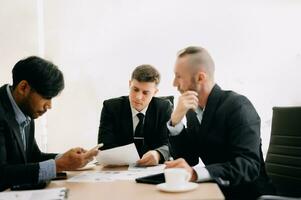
58,156
175,130
202,174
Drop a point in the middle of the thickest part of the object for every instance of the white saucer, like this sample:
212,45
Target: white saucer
183,188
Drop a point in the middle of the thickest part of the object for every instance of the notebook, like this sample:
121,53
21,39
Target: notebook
45,194
152,179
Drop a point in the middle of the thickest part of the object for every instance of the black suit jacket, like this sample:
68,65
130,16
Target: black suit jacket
116,125
228,142
17,166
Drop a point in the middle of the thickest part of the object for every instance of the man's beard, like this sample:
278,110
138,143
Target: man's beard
25,108
193,85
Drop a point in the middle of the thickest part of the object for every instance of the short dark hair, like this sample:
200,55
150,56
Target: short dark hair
42,75
146,73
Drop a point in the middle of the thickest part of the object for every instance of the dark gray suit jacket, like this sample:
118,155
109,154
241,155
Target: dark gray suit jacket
228,142
116,125
17,166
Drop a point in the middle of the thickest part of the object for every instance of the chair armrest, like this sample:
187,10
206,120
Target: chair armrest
274,197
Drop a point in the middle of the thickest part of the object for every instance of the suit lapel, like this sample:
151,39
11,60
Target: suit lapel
11,119
14,125
150,120
127,121
29,138
210,109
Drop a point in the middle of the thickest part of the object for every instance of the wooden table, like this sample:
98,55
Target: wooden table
130,190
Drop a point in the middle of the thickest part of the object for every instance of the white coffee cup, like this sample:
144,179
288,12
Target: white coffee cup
176,177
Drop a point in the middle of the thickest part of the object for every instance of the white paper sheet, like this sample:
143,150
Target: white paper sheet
108,176
123,155
45,194
158,168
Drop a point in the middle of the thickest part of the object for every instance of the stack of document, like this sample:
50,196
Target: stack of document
45,194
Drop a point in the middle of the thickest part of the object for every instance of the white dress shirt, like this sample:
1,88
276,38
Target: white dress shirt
135,117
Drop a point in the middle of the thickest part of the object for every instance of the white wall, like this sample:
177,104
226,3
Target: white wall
18,34
256,46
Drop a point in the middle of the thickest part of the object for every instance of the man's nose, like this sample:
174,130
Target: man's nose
48,104
139,95
175,84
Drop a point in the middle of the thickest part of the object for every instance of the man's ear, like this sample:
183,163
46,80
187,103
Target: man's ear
130,81
23,88
156,91
201,77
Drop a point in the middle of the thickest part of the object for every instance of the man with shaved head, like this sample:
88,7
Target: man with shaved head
222,129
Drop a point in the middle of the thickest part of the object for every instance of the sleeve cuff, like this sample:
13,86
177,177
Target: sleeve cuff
58,156
47,170
202,174
175,130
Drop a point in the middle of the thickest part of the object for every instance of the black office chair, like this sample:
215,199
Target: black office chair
283,162
169,98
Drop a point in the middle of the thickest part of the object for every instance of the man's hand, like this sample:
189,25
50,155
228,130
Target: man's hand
181,163
188,100
74,158
149,158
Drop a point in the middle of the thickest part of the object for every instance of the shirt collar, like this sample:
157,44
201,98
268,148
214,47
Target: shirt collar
20,117
135,112
199,110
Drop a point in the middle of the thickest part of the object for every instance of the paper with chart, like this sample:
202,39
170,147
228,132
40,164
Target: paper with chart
158,168
108,176
123,155
45,194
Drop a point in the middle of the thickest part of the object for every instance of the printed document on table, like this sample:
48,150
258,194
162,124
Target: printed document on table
157,168
45,194
123,155
109,176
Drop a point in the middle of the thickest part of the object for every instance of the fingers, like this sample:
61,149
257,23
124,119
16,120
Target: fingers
78,150
190,92
179,163
90,154
75,158
188,100
145,160
150,158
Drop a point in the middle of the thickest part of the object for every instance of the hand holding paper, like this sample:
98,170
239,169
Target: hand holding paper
74,158
123,155
150,158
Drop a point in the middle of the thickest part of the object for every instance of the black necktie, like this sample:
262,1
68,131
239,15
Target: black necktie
193,124
138,136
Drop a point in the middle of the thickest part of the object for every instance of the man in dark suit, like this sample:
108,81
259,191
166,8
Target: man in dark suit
35,82
120,122
223,130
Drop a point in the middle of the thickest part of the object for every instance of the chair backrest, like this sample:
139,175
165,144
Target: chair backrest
283,162
169,98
